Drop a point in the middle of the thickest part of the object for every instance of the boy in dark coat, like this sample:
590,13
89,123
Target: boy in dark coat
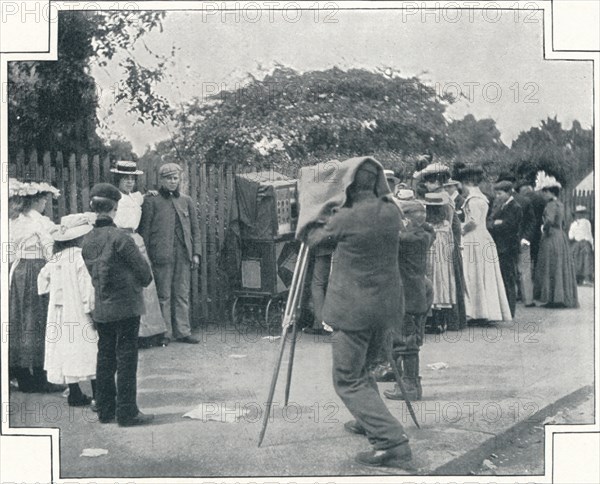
169,226
119,273
415,241
363,301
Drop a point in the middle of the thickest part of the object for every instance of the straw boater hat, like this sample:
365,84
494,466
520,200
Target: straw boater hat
434,199
74,226
581,209
124,167
405,194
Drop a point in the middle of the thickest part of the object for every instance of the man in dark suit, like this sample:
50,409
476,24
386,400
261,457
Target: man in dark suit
364,301
169,226
505,227
528,228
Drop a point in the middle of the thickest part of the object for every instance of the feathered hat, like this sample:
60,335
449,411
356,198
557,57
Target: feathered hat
543,180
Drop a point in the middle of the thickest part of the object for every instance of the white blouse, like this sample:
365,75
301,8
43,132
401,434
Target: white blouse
581,229
30,236
129,211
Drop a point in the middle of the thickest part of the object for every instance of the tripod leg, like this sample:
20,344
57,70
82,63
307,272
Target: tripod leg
272,388
294,297
290,364
294,319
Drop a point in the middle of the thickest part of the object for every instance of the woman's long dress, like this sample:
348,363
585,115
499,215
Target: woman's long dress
31,246
71,340
440,269
129,213
554,273
485,297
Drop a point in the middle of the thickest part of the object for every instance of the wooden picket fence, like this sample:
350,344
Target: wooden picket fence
573,198
209,185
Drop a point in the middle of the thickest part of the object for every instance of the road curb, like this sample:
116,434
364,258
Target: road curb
473,458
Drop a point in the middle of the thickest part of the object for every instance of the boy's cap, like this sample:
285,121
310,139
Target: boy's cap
169,169
74,226
105,190
580,209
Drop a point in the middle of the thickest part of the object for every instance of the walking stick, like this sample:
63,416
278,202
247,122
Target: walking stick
289,319
390,356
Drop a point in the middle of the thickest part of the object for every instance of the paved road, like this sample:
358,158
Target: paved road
496,377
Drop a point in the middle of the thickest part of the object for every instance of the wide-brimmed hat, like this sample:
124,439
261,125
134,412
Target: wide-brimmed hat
451,183
432,169
504,186
74,226
581,209
124,167
17,188
435,199
544,181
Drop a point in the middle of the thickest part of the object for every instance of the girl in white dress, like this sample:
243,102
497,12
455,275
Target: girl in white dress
71,338
129,213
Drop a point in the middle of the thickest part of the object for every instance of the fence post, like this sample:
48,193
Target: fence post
60,182
85,183
48,178
95,172
72,184
202,198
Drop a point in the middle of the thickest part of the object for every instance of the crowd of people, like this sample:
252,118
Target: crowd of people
451,255
87,293
467,255
446,253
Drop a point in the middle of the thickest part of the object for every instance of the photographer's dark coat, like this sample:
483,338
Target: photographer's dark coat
365,289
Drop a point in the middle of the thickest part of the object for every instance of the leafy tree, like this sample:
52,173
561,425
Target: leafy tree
566,154
52,104
289,119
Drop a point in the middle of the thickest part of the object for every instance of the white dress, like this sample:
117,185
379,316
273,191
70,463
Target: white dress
71,340
485,297
128,216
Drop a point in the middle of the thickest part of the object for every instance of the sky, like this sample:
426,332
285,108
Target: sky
495,59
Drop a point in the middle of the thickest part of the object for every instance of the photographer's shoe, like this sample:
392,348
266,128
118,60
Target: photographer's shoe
399,456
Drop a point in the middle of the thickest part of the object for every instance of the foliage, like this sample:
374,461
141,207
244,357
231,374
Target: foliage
289,119
566,154
52,104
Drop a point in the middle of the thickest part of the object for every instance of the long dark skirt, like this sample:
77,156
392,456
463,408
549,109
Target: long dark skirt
27,316
555,281
583,258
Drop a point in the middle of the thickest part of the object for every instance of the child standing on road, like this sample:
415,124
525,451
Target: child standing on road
70,355
415,242
119,274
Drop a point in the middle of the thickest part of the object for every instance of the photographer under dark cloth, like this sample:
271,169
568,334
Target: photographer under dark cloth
364,300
